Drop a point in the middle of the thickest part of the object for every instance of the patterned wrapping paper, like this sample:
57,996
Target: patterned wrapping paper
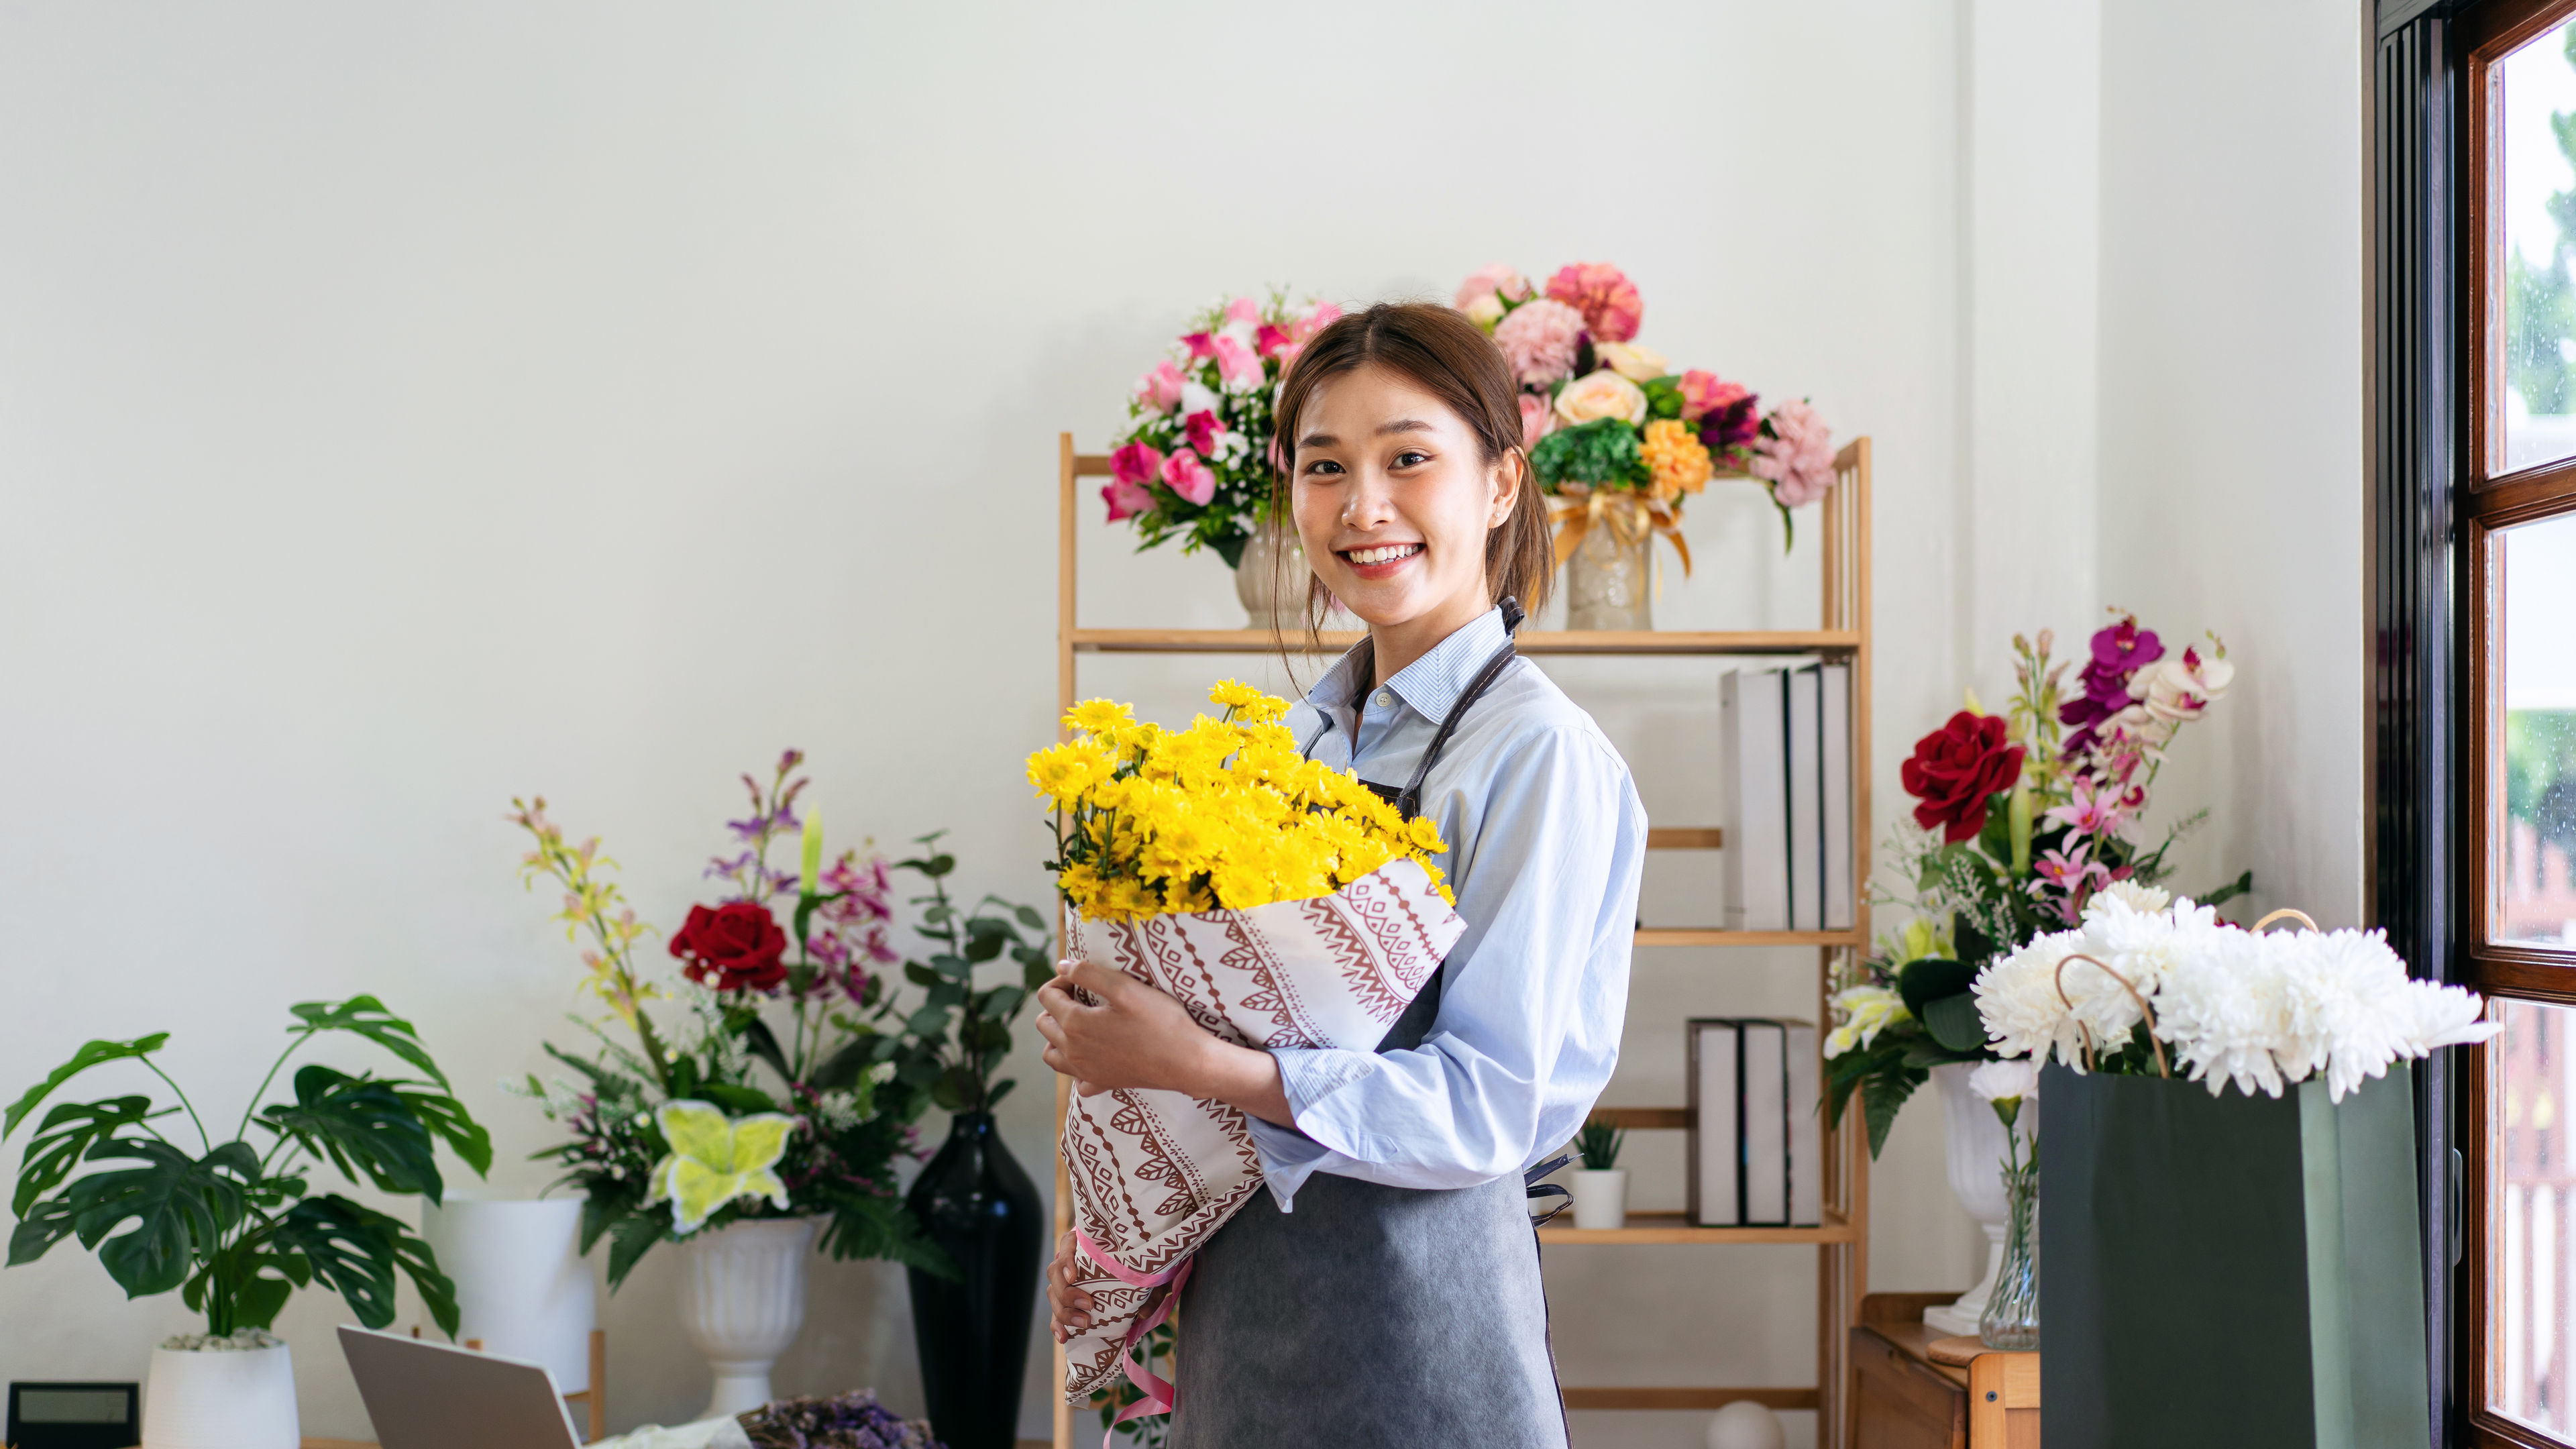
1155,1174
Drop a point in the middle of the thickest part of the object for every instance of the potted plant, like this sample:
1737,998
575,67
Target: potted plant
1194,462
1600,1187
235,1227
764,1110
2020,819
1617,438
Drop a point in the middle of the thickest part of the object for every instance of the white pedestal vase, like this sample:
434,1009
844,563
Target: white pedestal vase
742,1298
220,1399
1600,1198
1977,1176
522,1285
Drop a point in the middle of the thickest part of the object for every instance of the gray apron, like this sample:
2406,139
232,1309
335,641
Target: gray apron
1374,1317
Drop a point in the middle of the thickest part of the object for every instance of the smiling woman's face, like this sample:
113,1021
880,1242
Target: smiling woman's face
1394,499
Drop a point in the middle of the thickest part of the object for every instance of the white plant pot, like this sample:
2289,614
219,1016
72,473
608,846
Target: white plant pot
1600,1198
522,1285
1976,1142
239,1399
742,1298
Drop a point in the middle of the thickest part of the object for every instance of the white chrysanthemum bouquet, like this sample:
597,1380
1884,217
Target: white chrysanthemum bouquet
2148,984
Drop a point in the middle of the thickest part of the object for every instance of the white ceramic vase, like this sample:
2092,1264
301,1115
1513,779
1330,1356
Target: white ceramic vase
522,1285
1269,588
1977,1175
742,1298
1600,1198
237,1399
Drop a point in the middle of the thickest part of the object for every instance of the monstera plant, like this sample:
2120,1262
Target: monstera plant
235,1225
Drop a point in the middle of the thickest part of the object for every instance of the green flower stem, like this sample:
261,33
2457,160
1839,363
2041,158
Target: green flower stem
206,1142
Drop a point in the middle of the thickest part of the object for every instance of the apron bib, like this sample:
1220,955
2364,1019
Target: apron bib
1376,1317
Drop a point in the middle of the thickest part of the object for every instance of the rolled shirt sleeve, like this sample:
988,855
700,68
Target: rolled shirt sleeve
1547,844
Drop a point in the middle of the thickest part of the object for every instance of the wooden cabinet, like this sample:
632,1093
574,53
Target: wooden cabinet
1902,1399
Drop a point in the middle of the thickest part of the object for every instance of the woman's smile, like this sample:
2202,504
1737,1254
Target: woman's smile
1382,560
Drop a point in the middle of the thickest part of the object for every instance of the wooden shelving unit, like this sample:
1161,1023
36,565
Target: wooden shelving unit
1842,1242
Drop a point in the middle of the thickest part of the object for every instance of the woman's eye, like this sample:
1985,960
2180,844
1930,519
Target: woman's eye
1409,458
1323,465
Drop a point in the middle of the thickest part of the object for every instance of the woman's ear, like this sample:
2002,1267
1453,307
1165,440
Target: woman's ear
1510,475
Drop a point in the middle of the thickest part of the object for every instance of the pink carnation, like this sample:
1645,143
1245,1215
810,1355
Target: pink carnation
1161,388
1795,454
1604,295
1239,365
1540,340
1536,418
1189,477
1126,499
1203,429
1496,280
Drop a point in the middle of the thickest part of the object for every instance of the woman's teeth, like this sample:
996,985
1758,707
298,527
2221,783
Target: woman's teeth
1388,554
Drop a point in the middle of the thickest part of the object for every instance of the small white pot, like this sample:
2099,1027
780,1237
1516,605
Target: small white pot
241,1399
742,1298
1600,1198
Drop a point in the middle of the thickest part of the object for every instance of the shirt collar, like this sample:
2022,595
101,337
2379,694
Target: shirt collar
1430,685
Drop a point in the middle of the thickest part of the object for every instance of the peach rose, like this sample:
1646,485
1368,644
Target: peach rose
1604,394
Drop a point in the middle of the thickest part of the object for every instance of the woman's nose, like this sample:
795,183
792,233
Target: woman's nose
1368,504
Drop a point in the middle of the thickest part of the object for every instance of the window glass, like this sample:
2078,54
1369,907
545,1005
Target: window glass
2539,153
2536,645
2528,1214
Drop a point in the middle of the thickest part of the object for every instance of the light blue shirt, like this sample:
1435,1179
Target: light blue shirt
1546,841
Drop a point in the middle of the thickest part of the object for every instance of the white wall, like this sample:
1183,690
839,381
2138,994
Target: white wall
402,410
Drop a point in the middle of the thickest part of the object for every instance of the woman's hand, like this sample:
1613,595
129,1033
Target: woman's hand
1140,1036
1069,1306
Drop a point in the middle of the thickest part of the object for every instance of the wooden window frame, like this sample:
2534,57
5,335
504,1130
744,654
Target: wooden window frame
2486,502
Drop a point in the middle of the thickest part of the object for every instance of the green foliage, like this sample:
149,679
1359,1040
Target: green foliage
229,1227
1146,1431
2540,298
1599,1142
957,1038
1601,453
2540,772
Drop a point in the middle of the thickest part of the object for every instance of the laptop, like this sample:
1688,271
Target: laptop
425,1395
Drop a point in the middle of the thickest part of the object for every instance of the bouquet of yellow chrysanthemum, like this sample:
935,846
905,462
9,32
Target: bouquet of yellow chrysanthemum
1282,902
1224,814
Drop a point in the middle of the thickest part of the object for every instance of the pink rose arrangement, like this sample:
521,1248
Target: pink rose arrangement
1194,461
1614,433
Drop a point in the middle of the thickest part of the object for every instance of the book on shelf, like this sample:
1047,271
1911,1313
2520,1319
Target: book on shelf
1784,751
1756,1142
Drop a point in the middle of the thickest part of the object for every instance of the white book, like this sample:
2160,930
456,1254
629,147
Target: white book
1806,855
1806,1129
1766,1124
1836,765
1755,822
1715,1181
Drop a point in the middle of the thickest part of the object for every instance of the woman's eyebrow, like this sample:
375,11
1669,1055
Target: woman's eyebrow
1405,425
1317,440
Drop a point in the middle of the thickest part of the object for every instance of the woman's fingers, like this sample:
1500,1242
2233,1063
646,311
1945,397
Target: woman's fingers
1069,1306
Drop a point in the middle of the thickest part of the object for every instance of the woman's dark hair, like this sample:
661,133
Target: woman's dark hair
1442,352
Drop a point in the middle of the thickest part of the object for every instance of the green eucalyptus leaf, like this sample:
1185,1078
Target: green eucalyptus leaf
1029,917
920,975
929,1021
90,1055
843,1068
367,1017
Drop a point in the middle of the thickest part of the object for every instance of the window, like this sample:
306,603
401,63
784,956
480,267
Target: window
2512,702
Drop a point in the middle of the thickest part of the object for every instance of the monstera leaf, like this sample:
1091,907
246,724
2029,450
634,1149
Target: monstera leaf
355,1250
181,1207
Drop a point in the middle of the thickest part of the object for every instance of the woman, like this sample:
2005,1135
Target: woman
1388,1283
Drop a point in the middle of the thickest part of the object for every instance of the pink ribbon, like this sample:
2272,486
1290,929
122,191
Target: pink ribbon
1161,1397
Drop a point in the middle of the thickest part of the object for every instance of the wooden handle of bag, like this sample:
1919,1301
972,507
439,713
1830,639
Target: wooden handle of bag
2086,1032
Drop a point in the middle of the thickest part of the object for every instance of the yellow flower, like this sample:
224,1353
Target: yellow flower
713,1161
1424,833
1679,460
1099,716
1063,772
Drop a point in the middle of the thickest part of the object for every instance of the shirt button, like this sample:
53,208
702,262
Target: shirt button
1384,699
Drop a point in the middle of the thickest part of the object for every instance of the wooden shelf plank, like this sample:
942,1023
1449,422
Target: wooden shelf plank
1698,936
1673,1229
1677,837
1622,1396
1646,1119
1655,642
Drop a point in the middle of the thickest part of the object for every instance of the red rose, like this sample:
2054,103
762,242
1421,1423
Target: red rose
735,947
1955,769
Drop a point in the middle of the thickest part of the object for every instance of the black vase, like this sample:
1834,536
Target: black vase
973,1333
